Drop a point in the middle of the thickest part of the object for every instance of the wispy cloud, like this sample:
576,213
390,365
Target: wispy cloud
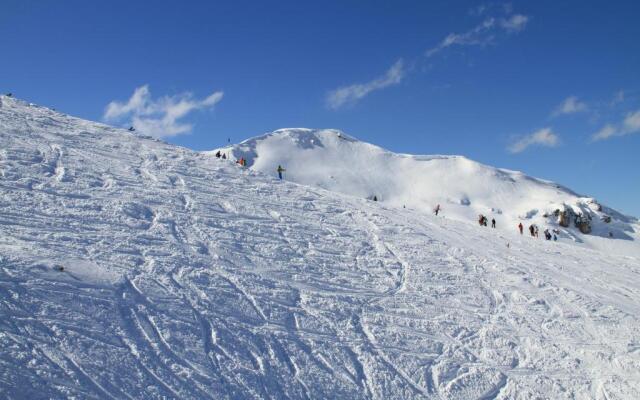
543,137
482,34
514,23
570,105
498,20
349,95
606,132
158,117
478,36
630,124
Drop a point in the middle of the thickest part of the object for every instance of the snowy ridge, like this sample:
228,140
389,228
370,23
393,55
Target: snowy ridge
130,268
464,188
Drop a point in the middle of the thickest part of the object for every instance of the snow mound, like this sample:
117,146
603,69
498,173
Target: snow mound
151,271
463,188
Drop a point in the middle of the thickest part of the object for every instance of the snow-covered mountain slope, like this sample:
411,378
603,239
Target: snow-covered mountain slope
130,268
464,188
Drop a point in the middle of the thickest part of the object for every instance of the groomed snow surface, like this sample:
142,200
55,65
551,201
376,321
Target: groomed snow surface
130,268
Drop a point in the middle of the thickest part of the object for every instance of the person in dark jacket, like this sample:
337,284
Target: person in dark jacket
520,227
493,222
280,171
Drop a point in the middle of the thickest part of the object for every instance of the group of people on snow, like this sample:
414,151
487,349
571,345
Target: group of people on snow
533,228
482,220
533,231
243,162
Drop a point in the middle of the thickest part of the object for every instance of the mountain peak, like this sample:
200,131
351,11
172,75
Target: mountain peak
464,188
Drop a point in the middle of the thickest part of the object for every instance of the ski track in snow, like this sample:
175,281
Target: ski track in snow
188,277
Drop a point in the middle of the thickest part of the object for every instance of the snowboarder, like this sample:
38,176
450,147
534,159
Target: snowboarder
280,171
437,209
520,227
218,155
493,222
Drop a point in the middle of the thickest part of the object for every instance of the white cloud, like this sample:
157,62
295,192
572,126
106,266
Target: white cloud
514,23
482,34
351,94
570,105
159,117
477,36
605,133
543,137
630,124
137,101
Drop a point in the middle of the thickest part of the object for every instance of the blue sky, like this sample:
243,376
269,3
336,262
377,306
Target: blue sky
550,89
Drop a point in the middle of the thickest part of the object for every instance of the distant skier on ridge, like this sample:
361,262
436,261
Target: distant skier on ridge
280,171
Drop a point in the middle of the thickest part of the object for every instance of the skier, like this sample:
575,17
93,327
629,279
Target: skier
224,156
280,171
132,129
218,155
532,230
481,219
437,209
375,198
536,230
493,222
520,227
